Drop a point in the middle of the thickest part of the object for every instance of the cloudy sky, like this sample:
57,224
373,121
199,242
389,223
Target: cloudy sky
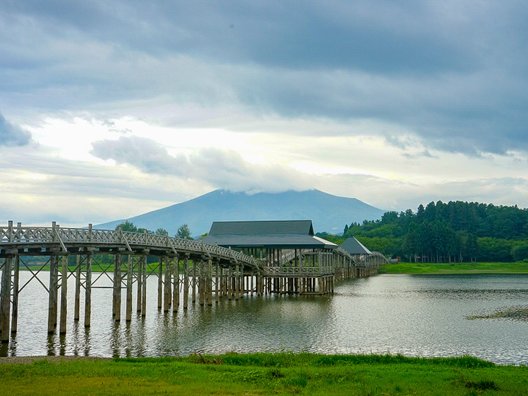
109,109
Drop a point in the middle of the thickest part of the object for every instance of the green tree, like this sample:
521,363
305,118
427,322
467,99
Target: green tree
520,252
183,232
127,226
161,232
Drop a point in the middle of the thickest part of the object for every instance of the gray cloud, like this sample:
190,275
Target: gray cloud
219,168
408,195
12,135
453,73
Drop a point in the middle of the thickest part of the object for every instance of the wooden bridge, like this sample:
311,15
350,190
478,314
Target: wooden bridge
185,269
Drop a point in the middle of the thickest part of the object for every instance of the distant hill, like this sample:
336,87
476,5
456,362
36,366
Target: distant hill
328,212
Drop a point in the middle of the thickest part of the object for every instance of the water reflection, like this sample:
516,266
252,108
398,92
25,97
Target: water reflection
420,316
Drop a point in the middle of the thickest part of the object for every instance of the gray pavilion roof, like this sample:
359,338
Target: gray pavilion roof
353,246
284,234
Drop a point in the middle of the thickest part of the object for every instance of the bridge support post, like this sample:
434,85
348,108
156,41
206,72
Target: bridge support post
130,272
201,282
64,294
167,285
217,282
77,296
193,299
175,270
88,290
144,282
223,285
53,293
16,281
228,283
209,283
116,295
186,282
234,283
160,280
139,281
239,283
5,299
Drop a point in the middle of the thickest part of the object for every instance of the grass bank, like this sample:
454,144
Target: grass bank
263,374
455,268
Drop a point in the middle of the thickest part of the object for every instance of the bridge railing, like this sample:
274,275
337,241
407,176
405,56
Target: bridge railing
297,271
64,236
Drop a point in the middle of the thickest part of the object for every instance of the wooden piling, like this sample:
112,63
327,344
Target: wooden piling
139,281
88,290
176,284
5,292
16,281
209,283
77,296
217,282
186,282
237,282
64,294
160,281
167,285
5,300
130,274
116,295
53,293
193,297
144,295
201,283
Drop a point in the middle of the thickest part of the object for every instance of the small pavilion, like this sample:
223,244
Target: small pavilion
293,258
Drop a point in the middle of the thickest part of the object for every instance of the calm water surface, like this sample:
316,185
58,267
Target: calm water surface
411,315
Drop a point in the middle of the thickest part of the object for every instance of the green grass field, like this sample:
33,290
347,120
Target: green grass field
263,374
455,268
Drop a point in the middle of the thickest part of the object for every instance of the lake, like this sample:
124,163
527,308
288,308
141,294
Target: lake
409,315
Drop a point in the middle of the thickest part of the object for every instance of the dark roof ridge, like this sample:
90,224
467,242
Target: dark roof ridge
262,227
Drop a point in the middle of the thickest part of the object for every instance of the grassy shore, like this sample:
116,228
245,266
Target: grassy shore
455,268
262,374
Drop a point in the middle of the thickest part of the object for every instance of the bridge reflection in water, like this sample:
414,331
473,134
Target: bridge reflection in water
187,271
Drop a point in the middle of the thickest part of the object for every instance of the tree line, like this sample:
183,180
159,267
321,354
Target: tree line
448,232
183,231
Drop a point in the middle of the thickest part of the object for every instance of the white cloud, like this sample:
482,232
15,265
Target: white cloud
220,168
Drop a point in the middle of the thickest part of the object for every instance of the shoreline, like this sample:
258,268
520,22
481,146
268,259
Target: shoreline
260,373
478,268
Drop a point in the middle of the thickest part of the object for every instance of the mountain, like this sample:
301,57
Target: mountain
328,212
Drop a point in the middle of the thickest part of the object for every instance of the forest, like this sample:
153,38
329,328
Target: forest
448,232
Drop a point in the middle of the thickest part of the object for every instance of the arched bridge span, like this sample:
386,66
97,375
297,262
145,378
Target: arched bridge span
44,241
